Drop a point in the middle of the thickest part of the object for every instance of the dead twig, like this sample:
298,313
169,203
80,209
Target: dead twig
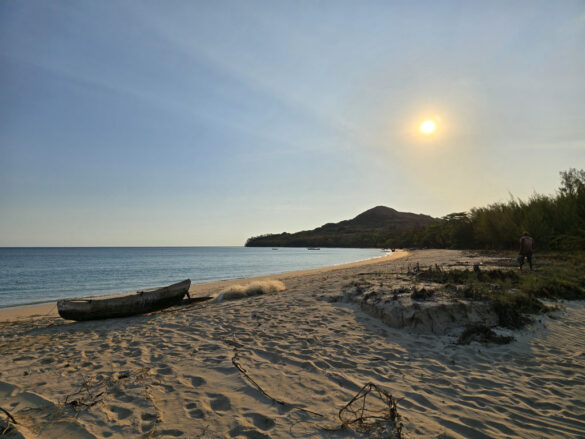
92,390
86,401
9,416
6,425
78,403
366,416
238,366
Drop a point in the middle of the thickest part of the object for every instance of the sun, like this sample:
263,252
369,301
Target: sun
428,126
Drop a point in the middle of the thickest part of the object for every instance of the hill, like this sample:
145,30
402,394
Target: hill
377,227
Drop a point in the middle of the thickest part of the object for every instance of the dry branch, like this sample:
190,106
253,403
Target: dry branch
237,364
6,425
9,416
379,413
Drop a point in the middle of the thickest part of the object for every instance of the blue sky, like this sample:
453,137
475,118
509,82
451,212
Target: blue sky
204,123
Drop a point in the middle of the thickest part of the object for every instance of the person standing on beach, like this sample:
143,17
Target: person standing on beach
526,247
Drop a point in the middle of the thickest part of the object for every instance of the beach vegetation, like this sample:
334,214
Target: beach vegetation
558,276
482,334
514,307
422,294
515,296
437,274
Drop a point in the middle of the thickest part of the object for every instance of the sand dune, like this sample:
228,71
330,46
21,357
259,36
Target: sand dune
283,364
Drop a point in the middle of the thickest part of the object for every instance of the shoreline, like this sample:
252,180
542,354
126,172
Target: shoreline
49,309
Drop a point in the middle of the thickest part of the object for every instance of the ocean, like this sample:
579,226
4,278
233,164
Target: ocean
39,275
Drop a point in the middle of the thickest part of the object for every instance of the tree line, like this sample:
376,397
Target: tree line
557,222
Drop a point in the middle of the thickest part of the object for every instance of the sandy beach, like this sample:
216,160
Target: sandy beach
284,364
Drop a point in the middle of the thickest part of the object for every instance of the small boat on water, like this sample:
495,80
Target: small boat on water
313,248
123,306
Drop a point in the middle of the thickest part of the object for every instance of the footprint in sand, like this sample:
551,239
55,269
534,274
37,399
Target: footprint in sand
209,347
219,402
148,416
165,370
261,421
248,433
134,353
120,412
194,412
172,433
23,358
196,381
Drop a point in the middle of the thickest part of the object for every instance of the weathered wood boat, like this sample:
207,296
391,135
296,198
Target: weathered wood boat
123,306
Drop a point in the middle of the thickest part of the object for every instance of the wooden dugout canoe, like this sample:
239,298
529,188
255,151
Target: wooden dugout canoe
136,303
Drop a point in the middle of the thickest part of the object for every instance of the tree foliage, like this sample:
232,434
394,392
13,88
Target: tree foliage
556,222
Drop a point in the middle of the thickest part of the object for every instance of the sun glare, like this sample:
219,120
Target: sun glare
428,126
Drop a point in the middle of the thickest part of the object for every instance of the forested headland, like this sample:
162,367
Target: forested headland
557,222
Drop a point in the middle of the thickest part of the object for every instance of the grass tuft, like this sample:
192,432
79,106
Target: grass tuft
482,334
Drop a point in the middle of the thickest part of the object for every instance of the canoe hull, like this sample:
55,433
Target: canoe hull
140,302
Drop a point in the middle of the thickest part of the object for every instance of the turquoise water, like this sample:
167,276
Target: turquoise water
38,275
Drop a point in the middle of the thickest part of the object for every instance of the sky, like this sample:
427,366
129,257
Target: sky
205,123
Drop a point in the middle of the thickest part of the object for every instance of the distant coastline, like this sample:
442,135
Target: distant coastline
379,227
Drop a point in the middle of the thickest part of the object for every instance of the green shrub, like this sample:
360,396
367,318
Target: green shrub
482,334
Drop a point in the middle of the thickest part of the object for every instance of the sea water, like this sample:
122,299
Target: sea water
39,275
